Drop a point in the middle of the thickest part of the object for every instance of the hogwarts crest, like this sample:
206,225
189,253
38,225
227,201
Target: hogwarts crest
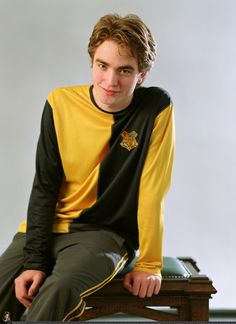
129,140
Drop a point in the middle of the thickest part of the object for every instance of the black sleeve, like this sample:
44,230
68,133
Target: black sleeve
44,195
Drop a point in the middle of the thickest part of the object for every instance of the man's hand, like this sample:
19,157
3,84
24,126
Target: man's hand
142,284
27,285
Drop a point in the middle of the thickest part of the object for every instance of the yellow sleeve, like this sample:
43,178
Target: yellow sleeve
154,184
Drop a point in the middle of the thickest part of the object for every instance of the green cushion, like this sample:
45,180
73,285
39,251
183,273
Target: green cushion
172,268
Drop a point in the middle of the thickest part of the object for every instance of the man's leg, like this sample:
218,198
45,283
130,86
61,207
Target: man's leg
11,265
85,262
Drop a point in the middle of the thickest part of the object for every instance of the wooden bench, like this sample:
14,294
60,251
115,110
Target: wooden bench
184,296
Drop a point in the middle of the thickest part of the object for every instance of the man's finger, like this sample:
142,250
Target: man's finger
151,287
33,289
128,282
136,286
157,287
26,301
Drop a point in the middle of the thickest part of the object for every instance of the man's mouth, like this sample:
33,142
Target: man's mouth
110,92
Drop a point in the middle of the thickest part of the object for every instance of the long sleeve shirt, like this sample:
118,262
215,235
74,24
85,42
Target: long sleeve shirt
96,169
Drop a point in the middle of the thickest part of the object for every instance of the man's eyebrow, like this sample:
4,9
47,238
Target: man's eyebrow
101,61
122,67
126,67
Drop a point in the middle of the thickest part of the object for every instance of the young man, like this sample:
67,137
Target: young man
103,166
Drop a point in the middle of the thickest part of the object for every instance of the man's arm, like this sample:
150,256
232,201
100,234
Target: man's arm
145,279
41,210
44,195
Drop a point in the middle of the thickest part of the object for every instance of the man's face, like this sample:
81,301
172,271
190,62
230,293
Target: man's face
115,76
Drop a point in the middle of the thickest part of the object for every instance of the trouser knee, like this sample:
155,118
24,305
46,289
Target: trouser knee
55,299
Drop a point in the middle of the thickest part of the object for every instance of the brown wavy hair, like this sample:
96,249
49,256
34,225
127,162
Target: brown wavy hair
129,31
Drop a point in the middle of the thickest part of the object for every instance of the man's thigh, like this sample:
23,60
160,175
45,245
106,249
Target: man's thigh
84,262
11,265
12,260
92,254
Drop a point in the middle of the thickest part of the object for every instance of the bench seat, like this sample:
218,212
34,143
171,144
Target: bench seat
184,295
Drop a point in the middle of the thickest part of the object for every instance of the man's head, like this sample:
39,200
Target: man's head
128,32
122,51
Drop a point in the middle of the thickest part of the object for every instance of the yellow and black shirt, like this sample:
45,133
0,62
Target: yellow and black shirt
96,169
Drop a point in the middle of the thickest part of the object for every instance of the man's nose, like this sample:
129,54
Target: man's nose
112,78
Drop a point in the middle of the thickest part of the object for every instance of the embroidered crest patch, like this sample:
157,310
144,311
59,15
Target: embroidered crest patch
129,140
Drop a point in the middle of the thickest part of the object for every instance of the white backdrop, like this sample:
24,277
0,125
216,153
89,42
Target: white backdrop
43,45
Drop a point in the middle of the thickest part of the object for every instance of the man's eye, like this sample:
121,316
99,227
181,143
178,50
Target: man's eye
125,71
102,66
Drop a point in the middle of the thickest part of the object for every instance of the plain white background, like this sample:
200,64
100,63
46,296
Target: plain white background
43,45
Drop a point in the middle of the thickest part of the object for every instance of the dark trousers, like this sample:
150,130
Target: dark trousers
84,262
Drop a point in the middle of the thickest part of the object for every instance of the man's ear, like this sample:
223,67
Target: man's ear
142,77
